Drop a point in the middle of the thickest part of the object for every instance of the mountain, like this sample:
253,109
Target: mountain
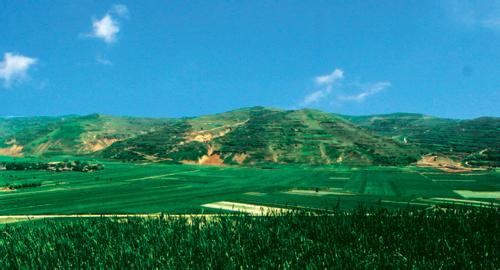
68,135
262,135
476,141
9,126
259,135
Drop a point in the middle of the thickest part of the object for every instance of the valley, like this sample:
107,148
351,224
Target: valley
259,157
147,188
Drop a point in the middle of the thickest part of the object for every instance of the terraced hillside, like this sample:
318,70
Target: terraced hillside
475,142
9,126
70,135
261,135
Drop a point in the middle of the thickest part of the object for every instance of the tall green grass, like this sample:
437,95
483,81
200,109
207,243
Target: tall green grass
452,239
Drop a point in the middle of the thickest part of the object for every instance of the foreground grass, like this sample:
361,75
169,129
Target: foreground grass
433,239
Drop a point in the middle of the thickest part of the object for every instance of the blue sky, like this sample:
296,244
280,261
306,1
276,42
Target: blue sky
186,58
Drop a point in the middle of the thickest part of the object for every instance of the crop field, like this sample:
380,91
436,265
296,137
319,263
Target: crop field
361,239
125,188
140,215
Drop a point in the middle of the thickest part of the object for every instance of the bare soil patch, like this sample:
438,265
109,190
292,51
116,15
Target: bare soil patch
213,159
97,144
240,158
13,151
443,163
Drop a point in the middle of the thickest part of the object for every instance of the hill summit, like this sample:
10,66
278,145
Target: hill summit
261,135
257,135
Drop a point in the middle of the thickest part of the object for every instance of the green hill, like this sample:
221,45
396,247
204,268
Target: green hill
71,135
260,135
12,125
475,141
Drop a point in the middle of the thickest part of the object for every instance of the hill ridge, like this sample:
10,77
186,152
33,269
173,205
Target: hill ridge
256,135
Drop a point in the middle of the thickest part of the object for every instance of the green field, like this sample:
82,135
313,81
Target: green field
291,189
362,239
153,188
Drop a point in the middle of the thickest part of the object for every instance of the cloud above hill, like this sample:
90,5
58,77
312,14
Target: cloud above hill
14,67
107,27
367,89
329,79
332,85
326,83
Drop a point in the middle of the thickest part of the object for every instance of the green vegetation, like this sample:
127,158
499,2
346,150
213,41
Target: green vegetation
24,185
256,136
153,188
475,141
160,144
259,135
435,239
71,135
12,125
323,171
77,166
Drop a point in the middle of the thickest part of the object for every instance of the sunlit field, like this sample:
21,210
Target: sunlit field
364,238
123,188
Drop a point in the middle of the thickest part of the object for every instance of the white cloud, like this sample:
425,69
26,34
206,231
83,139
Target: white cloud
325,81
326,84
106,28
329,79
368,89
14,67
313,97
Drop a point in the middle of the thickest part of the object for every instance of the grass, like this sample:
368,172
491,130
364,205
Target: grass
403,228
70,135
437,239
153,188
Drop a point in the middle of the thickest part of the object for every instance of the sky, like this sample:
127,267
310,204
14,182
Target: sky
188,58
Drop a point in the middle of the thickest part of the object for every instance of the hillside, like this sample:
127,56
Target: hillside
261,135
12,125
476,141
72,135
9,126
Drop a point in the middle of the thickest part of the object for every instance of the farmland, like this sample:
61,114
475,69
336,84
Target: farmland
423,239
127,188
252,188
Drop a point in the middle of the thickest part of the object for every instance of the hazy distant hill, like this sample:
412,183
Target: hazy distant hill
12,125
257,135
476,141
69,135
